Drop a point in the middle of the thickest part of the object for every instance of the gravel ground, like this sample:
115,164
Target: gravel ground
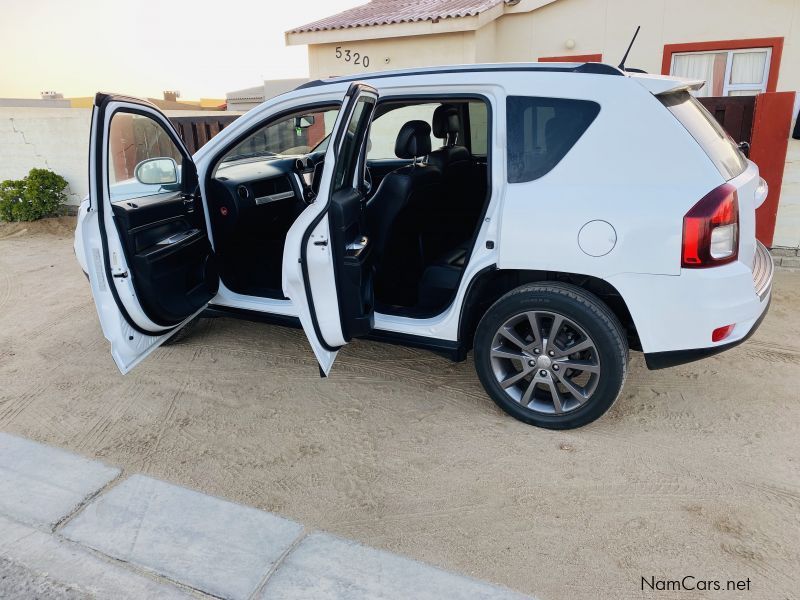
693,472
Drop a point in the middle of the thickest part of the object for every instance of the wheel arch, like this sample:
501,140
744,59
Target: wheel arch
491,283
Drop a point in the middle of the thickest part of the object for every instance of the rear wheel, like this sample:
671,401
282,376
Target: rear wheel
552,355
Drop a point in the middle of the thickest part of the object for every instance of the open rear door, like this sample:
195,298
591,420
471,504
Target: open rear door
150,262
327,271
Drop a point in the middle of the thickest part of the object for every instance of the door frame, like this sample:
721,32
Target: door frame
98,162
353,91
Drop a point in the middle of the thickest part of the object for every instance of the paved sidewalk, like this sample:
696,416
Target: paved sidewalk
75,528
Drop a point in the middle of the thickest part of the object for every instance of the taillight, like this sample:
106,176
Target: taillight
711,230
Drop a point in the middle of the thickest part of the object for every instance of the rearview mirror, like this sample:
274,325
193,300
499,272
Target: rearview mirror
304,122
157,171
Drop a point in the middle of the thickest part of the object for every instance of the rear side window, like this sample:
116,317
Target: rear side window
707,132
540,132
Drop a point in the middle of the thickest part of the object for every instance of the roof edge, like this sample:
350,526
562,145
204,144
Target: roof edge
388,30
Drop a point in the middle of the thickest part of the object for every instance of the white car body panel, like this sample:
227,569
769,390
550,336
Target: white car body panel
666,84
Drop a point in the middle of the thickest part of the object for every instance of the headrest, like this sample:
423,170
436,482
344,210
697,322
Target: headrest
445,121
414,140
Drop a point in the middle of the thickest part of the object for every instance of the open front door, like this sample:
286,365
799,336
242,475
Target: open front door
150,262
326,262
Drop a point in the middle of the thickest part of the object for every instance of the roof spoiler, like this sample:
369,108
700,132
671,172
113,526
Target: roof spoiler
666,84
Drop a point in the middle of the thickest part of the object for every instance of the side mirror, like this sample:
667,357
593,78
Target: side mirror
304,122
157,171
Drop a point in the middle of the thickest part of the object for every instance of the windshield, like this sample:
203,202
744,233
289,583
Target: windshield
293,135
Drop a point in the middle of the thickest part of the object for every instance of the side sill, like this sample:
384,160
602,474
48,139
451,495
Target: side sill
455,351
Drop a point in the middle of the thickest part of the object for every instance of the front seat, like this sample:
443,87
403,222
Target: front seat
446,125
395,214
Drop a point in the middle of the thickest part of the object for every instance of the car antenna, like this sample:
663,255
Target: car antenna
624,58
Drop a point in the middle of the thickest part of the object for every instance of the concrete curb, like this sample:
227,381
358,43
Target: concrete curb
89,528
788,258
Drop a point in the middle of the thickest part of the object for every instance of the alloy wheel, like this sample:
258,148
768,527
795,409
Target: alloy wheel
545,361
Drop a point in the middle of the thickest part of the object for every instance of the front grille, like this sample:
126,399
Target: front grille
763,268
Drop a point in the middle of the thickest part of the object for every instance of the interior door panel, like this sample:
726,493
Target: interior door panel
351,260
168,251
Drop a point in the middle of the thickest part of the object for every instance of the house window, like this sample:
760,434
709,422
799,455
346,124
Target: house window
726,73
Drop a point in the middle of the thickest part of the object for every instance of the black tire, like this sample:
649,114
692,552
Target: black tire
182,333
585,310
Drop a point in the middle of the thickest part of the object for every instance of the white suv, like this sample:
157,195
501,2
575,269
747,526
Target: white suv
550,217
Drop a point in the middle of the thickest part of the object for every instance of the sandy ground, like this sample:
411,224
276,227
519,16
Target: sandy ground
17,581
693,472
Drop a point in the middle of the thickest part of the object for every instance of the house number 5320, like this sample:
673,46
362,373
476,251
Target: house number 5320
348,55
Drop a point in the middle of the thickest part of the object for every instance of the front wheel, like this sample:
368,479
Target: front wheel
551,355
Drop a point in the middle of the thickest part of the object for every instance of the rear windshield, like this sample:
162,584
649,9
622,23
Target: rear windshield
540,132
707,132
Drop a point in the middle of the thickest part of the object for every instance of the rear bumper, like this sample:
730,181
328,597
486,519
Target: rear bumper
676,315
673,358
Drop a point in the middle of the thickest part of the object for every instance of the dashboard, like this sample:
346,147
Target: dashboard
246,190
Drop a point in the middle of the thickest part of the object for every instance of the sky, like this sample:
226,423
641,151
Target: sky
202,48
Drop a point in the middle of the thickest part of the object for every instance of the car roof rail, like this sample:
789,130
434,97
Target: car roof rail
589,68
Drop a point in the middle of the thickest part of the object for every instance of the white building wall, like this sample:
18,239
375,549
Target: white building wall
49,138
55,139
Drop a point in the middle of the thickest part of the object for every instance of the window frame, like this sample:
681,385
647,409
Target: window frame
774,45
727,86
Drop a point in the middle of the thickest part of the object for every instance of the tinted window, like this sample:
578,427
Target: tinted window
540,132
707,132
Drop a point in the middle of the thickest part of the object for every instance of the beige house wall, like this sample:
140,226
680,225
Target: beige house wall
391,53
520,34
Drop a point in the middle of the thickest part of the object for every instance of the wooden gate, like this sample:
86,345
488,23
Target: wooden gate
196,131
734,113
